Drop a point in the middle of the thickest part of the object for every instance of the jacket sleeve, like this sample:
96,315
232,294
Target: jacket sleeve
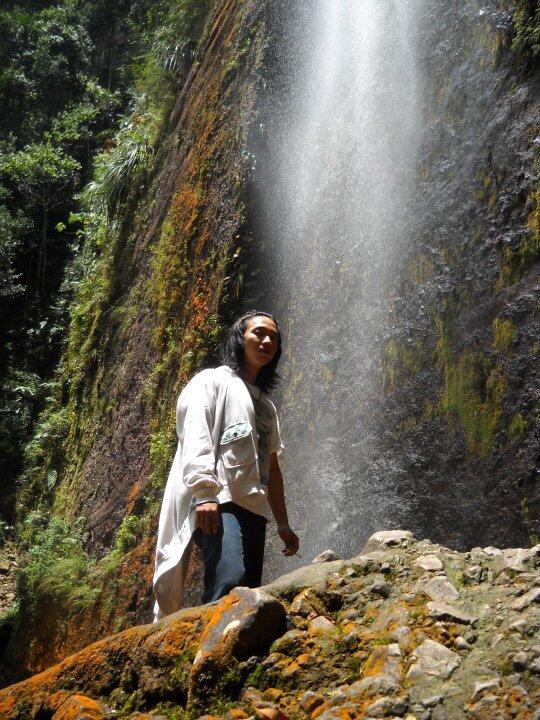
195,416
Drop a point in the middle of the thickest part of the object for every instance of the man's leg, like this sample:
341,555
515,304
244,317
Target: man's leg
233,556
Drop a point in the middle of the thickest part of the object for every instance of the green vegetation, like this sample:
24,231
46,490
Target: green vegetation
505,335
473,392
57,570
517,426
526,39
400,362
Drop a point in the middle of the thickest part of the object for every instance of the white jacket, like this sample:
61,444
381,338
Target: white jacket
216,461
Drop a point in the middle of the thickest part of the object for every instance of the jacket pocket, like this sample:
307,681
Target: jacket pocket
237,446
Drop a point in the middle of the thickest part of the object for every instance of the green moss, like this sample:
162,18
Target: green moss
257,678
400,362
517,259
517,426
473,392
505,335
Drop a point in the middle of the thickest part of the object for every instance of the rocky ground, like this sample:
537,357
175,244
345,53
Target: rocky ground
407,629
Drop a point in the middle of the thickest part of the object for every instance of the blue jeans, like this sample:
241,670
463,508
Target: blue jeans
234,555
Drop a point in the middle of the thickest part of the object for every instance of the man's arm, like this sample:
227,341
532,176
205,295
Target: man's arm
276,499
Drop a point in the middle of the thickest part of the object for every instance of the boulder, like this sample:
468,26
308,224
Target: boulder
445,611
325,556
430,563
432,658
244,623
388,538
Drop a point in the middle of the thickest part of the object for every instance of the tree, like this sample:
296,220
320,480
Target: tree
42,174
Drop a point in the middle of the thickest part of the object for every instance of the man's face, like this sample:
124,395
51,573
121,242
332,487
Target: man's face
260,341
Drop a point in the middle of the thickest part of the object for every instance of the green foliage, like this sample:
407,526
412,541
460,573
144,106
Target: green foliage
129,532
526,40
517,426
57,570
121,170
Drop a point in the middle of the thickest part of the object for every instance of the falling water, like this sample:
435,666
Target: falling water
335,155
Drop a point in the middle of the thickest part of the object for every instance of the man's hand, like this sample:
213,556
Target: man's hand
207,515
290,539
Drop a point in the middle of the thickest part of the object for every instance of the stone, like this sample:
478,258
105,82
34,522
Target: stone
432,658
244,623
480,687
381,588
534,666
475,573
461,643
310,700
4,567
80,707
385,706
388,538
431,701
520,661
533,596
322,626
430,563
445,611
514,560
438,588
294,582
325,556
491,551
306,603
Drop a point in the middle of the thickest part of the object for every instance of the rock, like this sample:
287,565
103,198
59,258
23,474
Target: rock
288,643
310,700
520,661
306,603
430,702
294,582
325,556
381,588
322,626
268,711
388,538
80,707
445,611
461,643
244,623
491,551
4,567
516,560
480,687
432,658
534,666
438,588
430,563
386,706
475,573
533,596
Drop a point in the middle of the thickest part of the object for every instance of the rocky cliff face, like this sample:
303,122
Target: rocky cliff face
407,629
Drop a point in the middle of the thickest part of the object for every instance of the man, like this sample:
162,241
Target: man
225,480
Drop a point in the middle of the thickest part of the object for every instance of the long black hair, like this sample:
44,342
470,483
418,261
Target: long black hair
232,351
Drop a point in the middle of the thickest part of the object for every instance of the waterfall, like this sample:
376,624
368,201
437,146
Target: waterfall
335,171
